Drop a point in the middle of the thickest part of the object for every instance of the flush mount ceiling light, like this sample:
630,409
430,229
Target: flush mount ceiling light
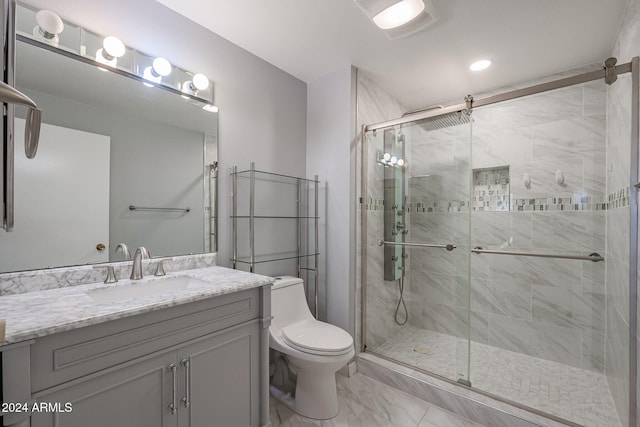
480,65
112,49
399,18
48,28
159,68
198,82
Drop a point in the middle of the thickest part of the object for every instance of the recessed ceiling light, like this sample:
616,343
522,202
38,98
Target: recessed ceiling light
483,64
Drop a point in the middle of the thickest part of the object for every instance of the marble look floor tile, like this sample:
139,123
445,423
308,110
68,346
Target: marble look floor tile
363,402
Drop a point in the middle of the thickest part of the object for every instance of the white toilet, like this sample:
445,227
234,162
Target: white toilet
315,350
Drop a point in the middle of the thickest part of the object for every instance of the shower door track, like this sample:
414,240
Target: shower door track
609,73
518,93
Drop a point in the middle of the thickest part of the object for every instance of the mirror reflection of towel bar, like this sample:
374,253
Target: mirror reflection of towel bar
146,208
448,247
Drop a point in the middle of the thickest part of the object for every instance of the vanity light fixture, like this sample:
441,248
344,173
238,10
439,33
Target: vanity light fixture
48,28
198,82
159,68
399,18
480,65
112,49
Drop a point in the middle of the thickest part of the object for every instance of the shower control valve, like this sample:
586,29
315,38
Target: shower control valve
394,258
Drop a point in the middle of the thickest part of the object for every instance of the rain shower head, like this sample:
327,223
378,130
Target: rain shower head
444,121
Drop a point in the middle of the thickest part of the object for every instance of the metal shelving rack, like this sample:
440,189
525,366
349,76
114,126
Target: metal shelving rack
301,217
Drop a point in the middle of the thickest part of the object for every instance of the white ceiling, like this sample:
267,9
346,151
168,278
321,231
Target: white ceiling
526,39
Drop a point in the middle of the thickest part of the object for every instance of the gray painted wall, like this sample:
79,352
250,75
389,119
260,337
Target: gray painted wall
330,154
262,109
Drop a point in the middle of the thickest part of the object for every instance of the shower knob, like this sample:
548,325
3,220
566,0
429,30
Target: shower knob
394,258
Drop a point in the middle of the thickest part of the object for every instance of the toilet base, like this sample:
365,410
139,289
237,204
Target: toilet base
316,396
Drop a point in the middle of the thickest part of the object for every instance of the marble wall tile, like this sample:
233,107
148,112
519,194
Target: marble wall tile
509,230
545,107
595,98
567,307
618,286
495,147
593,345
616,365
618,132
545,341
433,288
566,138
432,227
569,231
506,297
618,233
542,175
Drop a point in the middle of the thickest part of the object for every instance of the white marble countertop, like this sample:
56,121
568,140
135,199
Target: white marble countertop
35,314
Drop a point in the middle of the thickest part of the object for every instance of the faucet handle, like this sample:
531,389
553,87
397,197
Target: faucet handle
160,267
111,274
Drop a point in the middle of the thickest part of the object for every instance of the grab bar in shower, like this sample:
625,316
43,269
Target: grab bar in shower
448,247
594,256
147,208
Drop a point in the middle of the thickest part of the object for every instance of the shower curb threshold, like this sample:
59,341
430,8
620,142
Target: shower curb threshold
452,397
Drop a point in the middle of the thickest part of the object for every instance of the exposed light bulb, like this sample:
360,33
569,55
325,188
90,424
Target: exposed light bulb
148,74
400,162
161,67
480,65
394,160
48,28
386,156
399,14
113,46
200,81
112,49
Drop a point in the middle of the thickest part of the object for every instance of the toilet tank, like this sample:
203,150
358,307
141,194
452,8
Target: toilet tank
288,302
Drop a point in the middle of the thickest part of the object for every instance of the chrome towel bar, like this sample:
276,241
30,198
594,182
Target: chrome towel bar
594,256
143,208
448,247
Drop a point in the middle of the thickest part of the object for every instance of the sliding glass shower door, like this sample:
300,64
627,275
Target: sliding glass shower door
417,255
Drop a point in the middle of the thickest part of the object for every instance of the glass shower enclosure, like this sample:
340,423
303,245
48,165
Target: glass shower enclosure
496,246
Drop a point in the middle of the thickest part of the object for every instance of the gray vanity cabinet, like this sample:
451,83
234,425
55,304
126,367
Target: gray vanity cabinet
206,360
211,382
133,395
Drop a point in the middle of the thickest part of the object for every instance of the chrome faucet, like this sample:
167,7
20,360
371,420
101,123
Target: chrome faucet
136,270
125,251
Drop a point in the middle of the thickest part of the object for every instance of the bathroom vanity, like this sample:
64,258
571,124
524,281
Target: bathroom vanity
187,349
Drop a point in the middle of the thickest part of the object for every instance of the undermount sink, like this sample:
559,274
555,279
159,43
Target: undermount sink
136,290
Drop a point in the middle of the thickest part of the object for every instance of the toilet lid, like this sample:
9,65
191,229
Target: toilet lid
312,336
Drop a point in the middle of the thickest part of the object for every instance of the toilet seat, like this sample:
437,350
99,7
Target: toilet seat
315,337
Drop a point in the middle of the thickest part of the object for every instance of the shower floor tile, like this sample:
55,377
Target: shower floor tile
575,394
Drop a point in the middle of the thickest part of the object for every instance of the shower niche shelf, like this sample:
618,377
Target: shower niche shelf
272,210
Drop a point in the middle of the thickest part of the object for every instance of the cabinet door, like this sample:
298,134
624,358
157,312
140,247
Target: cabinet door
133,395
221,381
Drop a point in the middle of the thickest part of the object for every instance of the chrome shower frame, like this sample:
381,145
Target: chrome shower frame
609,73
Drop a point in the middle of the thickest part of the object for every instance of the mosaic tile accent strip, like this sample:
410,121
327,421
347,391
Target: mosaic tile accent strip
619,199
492,199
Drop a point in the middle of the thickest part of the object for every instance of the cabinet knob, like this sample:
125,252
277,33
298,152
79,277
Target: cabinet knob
100,247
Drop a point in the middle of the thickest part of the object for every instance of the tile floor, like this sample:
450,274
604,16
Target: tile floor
578,395
365,402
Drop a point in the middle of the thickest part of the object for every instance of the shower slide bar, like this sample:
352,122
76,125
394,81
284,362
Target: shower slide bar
594,257
448,247
143,208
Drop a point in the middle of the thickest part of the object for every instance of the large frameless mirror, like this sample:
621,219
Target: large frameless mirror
119,164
